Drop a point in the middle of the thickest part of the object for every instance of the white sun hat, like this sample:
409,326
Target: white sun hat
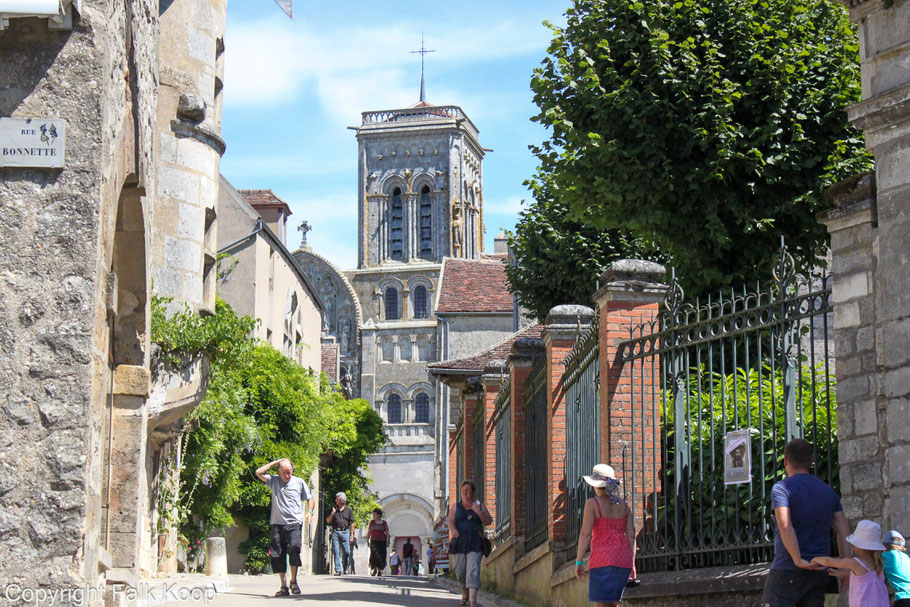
599,476
867,535
894,538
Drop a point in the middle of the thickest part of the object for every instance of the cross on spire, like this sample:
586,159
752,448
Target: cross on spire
423,51
304,228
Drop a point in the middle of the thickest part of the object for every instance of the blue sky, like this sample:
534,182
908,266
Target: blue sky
293,86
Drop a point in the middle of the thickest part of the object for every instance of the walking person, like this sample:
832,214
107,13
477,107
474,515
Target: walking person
407,553
897,567
431,565
394,560
286,520
378,534
805,509
467,518
341,520
866,570
608,528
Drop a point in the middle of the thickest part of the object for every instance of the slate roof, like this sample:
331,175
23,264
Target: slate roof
473,285
264,199
475,364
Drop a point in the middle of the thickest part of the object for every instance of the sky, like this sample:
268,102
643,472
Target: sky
292,87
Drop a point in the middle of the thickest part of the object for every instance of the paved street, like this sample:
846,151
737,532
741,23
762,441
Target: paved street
353,591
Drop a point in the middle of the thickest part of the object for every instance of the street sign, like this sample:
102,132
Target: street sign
32,142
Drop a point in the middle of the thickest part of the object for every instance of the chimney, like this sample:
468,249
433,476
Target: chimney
501,244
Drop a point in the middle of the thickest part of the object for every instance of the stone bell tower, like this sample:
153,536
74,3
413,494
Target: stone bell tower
420,186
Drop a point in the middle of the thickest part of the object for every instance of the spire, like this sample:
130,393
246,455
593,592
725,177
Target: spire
423,51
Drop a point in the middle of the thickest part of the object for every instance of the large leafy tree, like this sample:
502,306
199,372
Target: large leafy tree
560,258
710,127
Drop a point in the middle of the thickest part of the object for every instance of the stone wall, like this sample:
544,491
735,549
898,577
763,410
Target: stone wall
56,251
870,241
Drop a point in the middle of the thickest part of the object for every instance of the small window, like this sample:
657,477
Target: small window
388,349
422,412
396,226
423,348
391,303
394,409
420,302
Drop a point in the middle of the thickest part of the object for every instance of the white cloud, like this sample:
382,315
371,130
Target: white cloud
351,69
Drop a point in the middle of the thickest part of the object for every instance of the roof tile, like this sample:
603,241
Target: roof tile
500,351
474,285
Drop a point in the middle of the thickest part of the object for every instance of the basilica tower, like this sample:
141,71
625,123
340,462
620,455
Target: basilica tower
420,186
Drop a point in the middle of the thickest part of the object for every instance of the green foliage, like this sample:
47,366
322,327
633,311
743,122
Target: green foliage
708,127
259,406
743,399
549,243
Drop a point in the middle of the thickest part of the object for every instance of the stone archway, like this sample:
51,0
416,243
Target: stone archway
409,516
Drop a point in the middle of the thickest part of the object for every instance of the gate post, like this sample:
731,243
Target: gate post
630,432
562,328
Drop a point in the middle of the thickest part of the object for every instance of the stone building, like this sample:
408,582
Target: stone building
117,106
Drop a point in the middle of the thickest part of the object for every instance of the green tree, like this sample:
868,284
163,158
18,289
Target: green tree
549,243
710,127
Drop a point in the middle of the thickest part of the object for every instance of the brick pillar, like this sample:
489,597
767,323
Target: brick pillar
561,329
492,379
471,402
453,456
872,301
525,352
630,420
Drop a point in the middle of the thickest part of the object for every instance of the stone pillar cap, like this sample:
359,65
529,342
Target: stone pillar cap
570,314
494,366
633,270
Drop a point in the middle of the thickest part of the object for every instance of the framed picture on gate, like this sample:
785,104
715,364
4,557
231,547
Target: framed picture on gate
737,457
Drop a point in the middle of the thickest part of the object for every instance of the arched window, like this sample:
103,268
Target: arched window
391,303
394,402
404,348
420,302
396,226
426,224
423,348
422,408
290,312
388,349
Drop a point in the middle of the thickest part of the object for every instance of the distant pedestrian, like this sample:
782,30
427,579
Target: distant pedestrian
608,528
378,535
866,570
341,520
897,567
407,554
287,519
394,561
467,518
431,565
805,509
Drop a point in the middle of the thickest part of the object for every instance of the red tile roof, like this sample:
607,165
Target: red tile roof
264,199
476,363
474,285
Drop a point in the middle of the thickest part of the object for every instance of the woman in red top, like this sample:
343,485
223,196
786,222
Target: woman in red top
378,534
607,527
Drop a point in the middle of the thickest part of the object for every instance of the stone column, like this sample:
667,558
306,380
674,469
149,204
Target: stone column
525,352
870,244
630,432
561,329
492,379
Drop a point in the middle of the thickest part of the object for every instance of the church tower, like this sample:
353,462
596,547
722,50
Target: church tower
420,186
420,200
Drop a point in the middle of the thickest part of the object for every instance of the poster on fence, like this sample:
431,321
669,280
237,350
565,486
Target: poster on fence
737,458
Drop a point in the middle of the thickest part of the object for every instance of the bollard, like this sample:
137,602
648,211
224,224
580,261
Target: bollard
216,557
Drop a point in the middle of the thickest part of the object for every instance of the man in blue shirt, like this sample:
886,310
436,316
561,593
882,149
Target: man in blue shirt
805,509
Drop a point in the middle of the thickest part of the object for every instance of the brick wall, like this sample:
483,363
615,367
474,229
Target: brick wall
520,365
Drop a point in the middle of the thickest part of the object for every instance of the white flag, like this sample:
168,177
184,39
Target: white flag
285,6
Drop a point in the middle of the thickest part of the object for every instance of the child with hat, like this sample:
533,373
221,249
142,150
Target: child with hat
867,584
897,567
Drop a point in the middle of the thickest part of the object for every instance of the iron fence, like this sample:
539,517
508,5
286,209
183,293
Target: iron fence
478,449
536,438
717,391
502,426
582,381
